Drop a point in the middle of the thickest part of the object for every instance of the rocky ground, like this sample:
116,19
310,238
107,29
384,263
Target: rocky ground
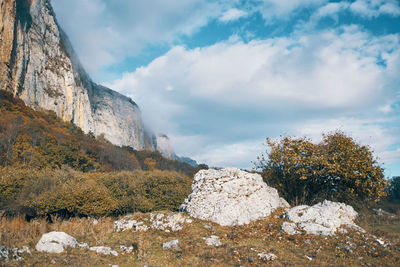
200,243
216,229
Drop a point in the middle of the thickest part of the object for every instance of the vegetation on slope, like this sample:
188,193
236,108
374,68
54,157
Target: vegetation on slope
48,167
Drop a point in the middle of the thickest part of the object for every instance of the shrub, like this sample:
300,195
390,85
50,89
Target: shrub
67,193
337,168
147,190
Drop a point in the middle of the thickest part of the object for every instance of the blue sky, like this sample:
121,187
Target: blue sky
218,77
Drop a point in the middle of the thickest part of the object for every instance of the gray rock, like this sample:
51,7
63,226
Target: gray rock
126,224
168,223
290,228
267,256
104,250
4,253
55,242
231,197
213,241
125,249
321,219
173,244
17,253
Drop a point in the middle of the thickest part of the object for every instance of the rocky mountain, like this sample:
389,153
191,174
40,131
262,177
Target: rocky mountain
39,65
164,147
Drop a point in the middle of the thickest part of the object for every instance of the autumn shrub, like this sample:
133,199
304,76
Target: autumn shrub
337,168
66,192
147,190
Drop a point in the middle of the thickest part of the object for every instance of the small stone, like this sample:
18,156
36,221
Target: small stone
126,224
173,244
308,258
4,253
267,256
104,250
347,249
213,241
125,249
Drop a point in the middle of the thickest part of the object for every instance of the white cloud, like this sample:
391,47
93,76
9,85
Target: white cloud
278,9
105,32
234,91
375,8
232,14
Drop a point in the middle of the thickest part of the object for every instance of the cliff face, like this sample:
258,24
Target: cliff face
39,65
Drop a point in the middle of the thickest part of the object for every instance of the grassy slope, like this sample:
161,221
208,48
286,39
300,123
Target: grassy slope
241,244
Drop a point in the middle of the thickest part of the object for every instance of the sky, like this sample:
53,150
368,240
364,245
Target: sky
220,76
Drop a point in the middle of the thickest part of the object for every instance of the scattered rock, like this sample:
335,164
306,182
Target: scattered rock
4,253
126,224
174,222
213,241
55,242
173,244
104,250
267,256
125,249
17,252
208,227
308,258
321,219
231,197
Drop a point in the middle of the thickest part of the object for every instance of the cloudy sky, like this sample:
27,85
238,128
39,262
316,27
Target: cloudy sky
219,76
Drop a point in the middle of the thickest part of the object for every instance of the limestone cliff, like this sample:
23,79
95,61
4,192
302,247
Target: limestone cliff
164,147
39,65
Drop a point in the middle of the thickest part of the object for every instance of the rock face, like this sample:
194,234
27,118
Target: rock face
55,242
39,65
321,219
231,197
164,147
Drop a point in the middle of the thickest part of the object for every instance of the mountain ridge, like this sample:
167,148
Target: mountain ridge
39,65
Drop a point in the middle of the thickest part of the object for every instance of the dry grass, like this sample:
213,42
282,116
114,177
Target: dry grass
240,244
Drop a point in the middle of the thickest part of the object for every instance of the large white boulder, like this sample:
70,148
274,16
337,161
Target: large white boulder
231,197
55,242
321,219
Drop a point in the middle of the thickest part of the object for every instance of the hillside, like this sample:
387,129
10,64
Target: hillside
40,139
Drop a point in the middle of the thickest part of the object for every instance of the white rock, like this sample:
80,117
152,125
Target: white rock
213,241
126,249
55,242
174,222
104,250
290,228
321,219
17,252
126,224
231,197
4,253
173,244
267,256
